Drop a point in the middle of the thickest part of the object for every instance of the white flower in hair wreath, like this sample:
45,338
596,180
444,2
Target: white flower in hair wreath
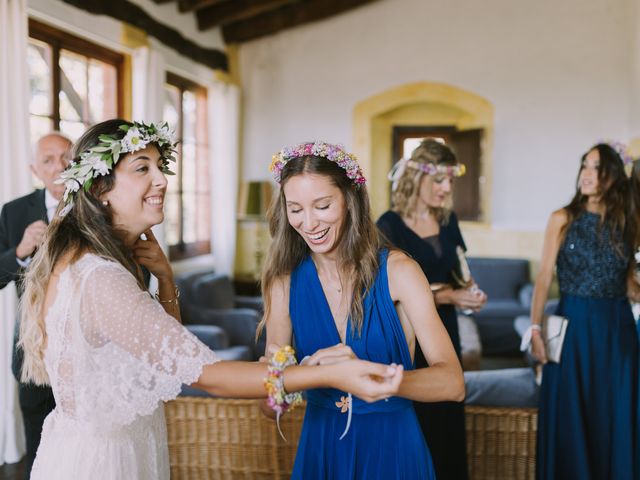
102,158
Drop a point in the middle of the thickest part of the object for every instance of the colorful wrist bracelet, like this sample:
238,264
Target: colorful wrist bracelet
277,398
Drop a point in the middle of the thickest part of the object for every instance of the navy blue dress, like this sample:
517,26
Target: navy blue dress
384,440
587,422
443,423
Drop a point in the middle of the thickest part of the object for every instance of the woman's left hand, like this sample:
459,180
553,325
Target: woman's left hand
149,254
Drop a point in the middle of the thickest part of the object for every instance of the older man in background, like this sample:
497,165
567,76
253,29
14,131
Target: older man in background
23,223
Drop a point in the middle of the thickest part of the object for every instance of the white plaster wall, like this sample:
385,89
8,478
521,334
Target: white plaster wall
559,75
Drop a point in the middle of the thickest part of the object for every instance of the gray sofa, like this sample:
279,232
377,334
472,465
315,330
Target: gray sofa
208,299
506,281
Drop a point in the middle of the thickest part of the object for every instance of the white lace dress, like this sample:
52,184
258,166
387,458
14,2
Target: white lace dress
113,355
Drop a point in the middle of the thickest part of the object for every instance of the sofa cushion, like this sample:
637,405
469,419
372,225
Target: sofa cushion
214,291
507,387
500,278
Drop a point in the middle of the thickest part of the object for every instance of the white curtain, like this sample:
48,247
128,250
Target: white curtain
148,68
14,182
224,138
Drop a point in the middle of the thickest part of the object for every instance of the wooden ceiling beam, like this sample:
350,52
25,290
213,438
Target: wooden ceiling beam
235,11
288,16
191,5
127,11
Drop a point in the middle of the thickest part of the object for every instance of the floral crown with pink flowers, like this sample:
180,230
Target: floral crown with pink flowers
333,153
621,149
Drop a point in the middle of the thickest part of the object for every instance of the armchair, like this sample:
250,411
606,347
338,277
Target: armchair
239,324
216,290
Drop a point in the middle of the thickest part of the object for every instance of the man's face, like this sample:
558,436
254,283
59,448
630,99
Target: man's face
51,158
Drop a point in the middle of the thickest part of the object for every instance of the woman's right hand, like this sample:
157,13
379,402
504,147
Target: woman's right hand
537,347
329,355
366,380
468,298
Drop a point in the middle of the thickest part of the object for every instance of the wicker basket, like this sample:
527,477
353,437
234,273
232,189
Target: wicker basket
501,442
231,439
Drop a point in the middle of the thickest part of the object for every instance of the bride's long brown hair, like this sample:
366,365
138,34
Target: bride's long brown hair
87,227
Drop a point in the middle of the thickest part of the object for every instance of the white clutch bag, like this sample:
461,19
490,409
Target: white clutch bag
553,332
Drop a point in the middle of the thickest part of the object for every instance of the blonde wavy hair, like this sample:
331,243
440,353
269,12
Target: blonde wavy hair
357,249
405,195
88,227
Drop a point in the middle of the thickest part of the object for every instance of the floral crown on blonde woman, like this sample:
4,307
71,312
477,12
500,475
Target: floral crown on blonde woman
428,168
102,158
334,153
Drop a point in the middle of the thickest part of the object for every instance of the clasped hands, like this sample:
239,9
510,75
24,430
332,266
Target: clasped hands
366,380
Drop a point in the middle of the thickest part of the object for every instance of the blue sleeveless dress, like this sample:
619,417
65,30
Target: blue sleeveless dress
588,402
384,440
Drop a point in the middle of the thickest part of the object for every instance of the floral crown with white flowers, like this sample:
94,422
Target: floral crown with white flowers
102,158
333,153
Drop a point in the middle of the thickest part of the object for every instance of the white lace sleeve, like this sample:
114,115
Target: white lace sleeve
142,354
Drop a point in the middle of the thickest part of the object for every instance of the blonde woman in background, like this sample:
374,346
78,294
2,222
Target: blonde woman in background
422,224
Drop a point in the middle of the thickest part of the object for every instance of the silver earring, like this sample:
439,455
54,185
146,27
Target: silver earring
105,203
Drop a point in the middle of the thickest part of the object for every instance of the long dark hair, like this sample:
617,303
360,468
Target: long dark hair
614,192
357,248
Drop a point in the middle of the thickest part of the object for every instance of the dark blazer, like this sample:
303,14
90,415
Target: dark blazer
15,217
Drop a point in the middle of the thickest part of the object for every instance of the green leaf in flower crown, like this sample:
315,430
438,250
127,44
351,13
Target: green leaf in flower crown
87,184
115,149
124,128
106,138
100,149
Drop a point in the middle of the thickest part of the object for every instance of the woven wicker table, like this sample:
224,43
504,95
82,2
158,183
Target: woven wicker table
231,439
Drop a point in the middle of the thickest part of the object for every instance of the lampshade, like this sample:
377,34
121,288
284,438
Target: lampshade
254,198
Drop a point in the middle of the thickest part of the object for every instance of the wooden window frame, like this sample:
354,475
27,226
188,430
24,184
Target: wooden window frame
182,250
60,40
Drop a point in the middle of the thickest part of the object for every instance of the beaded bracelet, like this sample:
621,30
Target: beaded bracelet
277,398
173,301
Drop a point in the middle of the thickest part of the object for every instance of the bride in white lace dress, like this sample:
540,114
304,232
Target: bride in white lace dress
112,353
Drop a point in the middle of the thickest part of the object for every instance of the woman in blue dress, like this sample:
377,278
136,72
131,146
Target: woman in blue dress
587,424
330,285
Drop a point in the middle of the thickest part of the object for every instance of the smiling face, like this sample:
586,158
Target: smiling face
435,190
588,178
51,157
137,197
316,209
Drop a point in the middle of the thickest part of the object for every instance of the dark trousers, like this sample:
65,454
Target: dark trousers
35,402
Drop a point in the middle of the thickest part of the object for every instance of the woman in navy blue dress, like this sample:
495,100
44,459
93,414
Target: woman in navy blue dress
331,285
587,424
423,225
